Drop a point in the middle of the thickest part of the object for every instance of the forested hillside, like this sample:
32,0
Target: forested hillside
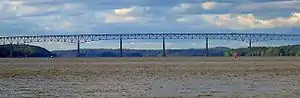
24,51
292,50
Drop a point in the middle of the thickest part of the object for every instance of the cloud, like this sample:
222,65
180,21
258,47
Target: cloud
201,7
241,15
31,17
181,20
112,18
267,6
133,14
151,15
237,7
124,11
17,9
209,5
38,16
196,22
249,21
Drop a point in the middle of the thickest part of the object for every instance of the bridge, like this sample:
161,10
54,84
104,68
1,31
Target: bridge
250,37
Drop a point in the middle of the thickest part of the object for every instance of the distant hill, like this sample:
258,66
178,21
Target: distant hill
218,51
35,51
25,51
291,50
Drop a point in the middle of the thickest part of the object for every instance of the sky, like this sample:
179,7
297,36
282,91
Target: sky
49,17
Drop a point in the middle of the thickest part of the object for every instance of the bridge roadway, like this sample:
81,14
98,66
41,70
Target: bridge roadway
249,37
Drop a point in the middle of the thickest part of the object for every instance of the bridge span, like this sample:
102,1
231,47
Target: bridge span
249,37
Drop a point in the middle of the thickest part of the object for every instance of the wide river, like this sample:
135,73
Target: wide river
208,77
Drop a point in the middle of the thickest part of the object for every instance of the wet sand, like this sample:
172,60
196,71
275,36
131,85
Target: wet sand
202,77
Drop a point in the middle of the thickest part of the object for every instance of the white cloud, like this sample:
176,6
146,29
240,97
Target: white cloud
194,22
111,18
181,20
132,14
199,7
228,15
249,21
11,9
33,13
16,8
208,5
211,7
124,11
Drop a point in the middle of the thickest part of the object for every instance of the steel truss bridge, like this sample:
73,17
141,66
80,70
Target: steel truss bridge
249,37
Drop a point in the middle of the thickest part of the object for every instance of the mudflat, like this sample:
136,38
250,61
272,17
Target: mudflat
201,77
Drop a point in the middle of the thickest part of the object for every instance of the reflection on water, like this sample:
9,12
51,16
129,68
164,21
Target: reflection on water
217,88
39,86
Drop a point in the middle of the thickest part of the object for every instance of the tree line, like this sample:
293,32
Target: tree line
291,50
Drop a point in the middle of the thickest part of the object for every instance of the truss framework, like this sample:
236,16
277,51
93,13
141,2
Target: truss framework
82,38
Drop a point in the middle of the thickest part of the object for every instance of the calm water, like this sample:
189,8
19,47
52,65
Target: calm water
77,87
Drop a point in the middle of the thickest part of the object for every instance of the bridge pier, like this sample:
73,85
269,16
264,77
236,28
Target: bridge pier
164,47
206,48
121,47
250,47
78,48
11,49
